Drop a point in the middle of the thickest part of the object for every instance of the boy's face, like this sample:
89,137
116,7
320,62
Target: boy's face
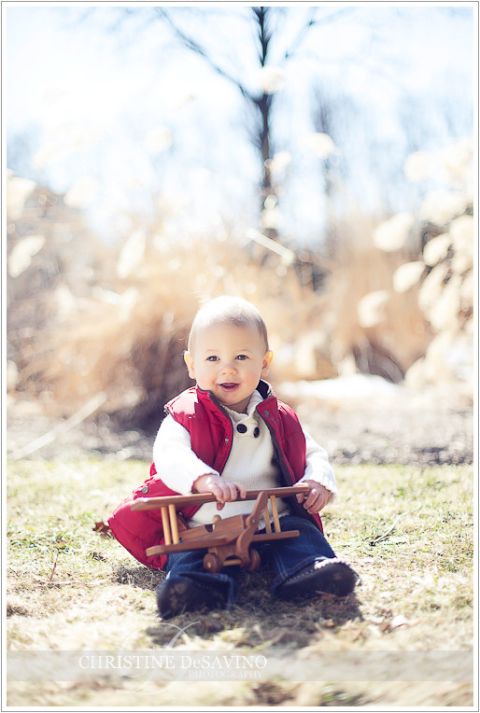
229,361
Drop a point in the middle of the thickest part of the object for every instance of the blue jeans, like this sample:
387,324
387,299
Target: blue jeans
287,557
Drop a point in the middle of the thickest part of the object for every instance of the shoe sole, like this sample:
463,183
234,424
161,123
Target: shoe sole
331,577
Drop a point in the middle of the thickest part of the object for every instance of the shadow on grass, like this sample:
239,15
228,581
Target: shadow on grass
141,577
260,619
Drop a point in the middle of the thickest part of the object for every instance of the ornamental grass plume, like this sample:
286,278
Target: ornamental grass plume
393,234
450,165
21,256
436,249
407,275
432,287
18,191
399,315
321,145
371,308
446,291
462,231
441,206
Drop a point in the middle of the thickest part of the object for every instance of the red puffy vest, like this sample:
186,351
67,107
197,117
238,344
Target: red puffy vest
211,434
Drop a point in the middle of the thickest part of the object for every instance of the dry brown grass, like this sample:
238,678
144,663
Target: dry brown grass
128,341
399,333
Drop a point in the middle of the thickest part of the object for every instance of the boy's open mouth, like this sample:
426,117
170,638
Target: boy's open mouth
229,386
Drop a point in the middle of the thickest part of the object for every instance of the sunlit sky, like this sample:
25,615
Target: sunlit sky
86,100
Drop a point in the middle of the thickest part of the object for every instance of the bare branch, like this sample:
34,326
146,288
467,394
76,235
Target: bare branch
264,36
333,16
192,45
299,38
314,21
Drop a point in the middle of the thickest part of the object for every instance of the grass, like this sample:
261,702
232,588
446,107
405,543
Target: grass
408,531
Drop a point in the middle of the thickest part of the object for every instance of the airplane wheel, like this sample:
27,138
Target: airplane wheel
212,563
255,561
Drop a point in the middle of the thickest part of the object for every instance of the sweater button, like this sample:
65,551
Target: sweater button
145,489
227,440
266,413
241,428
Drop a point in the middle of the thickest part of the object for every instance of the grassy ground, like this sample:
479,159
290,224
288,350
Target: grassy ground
407,531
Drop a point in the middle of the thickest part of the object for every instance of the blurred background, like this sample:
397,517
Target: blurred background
316,160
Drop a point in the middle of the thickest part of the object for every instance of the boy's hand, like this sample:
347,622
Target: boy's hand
223,490
316,499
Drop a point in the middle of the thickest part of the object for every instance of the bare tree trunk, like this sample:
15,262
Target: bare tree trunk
261,103
264,102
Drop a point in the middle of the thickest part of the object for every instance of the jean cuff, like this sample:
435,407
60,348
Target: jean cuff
206,581
281,578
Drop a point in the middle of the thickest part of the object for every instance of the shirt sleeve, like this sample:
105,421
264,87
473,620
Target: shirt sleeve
175,462
318,467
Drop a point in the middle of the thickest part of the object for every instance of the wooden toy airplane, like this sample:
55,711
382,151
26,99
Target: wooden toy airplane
228,540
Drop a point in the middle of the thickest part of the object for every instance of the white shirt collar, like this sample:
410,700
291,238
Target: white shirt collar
255,399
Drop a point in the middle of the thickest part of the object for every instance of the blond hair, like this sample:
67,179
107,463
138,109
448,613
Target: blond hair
228,310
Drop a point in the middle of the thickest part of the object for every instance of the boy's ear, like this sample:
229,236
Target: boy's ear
187,358
267,360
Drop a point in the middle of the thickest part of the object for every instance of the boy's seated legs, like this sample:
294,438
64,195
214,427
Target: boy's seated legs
306,565
303,566
188,586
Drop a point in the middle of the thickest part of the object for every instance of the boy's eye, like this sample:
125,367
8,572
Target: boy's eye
212,357
242,357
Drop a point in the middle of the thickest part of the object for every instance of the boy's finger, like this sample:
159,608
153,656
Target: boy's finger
310,499
313,496
302,497
319,503
219,494
316,507
231,492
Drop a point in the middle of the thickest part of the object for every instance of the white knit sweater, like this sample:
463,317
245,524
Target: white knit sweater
250,462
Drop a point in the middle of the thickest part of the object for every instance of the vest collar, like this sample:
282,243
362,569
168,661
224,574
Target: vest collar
264,389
